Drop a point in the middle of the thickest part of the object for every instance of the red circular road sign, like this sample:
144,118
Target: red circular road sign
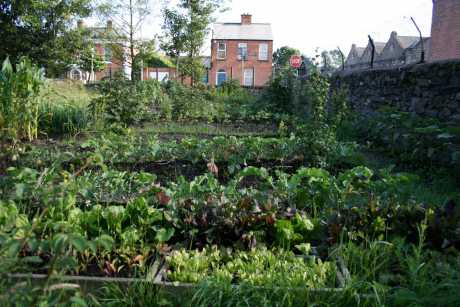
296,61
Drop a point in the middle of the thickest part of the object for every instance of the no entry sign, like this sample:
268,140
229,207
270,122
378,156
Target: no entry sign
296,61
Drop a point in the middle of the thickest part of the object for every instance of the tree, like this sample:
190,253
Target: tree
128,17
282,56
173,41
330,61
89,60
39,29
186,28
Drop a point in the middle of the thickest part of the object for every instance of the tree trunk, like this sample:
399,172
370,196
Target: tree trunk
131,38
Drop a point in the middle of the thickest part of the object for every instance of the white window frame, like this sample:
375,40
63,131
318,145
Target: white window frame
219,51
252,70
263,54
243,55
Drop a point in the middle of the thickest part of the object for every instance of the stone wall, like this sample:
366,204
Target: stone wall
426,89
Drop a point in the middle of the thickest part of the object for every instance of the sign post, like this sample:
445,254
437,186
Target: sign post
296,62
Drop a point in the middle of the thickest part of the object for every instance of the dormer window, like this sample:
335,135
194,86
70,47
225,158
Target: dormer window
221,50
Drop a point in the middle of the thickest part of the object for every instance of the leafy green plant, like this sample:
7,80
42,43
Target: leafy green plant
20,98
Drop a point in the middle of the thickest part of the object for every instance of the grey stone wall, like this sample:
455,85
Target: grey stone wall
426,89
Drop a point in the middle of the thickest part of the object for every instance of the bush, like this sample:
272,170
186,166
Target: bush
190,102
128,102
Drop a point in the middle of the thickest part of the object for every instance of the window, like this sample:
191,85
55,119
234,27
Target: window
221,77
205,79
153,75
248,77
163,76
263,52
108,54
242,51
76,75
221,50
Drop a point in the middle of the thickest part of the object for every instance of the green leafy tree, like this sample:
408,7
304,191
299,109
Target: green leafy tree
330,61
186,29
90,61
282,56
173,41
128,17
41,30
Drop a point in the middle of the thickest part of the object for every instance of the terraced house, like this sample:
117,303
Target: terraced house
397,51
241,51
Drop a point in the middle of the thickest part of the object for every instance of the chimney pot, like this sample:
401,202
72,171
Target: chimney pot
246,19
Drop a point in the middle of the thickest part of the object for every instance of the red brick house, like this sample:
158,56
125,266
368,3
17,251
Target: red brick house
241,51
445,30
111,48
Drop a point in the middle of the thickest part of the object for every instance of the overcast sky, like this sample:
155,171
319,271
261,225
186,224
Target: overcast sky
308,24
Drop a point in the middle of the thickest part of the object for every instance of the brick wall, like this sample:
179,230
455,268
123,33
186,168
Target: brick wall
445,31
234,67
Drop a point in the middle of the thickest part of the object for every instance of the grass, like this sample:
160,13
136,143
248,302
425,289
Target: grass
64,110
68,92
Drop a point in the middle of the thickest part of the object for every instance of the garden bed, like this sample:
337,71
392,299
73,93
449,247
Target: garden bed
156,276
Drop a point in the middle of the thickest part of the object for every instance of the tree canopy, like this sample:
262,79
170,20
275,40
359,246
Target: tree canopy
42,31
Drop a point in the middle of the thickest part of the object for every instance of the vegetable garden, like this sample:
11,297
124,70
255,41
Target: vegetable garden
299,215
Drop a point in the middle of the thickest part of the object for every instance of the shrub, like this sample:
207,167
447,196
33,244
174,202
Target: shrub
129,102
190,102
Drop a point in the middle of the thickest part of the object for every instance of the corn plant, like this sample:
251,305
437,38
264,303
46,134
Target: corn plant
19,99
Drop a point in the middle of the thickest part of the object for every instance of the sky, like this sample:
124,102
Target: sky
309,24
325,24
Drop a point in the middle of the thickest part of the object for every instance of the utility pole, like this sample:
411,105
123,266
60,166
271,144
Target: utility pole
422,57
371,41
342,56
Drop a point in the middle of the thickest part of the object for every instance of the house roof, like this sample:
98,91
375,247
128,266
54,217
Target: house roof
360,50
253,31
408,41
379,46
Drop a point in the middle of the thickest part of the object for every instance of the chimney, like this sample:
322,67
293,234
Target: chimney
109,25
246,19
80,24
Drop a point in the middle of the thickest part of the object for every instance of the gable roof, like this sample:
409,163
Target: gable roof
407,41
355,54
379,47
253,31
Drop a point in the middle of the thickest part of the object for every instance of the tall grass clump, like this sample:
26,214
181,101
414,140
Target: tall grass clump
62,118
19,100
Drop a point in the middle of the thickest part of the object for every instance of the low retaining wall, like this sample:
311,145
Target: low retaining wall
431,89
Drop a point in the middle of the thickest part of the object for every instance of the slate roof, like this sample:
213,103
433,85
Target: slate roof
253,31
408,41
379,47
360,50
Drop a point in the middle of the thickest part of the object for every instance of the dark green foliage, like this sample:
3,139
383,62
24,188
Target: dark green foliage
416,141
126,102
39,29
